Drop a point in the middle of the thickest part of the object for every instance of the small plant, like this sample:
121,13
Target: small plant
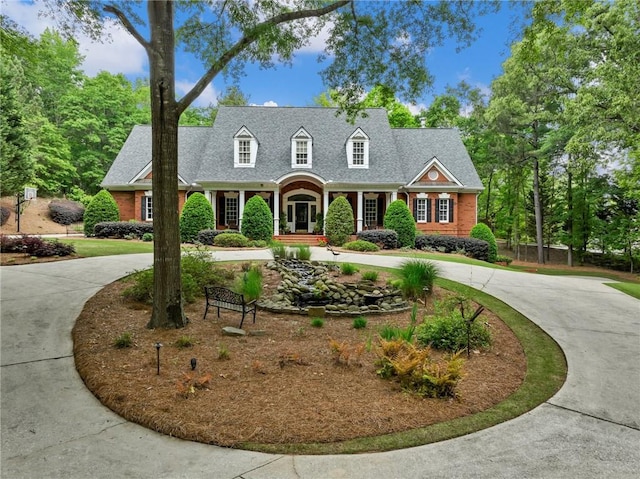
317,322
360,322
223,352
346,355
184,342
278,250
322,241
147,237
504,259
348,269
125,340
290,358
417,275
250,285
303,252
448,332
258,367
361,245
370,276
190,382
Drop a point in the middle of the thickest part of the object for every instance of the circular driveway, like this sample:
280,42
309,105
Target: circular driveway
53,427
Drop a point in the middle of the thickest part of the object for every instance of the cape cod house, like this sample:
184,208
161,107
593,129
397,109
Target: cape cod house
299,160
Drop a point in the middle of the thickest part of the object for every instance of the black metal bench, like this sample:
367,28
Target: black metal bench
219,297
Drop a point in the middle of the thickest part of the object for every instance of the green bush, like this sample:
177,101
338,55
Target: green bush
360,322
125,340
197,215
303,252
102,207
278,250
231,240
417,275
317,322
319,227
370,276
250,285
399,219
257,219
258,244
361,245
184,342
348,269
504,259
339,221
483,232
448,331
147,237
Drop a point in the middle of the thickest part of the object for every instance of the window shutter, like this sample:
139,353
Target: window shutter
143,206
415,209
222,219
451,210
380,218
428,210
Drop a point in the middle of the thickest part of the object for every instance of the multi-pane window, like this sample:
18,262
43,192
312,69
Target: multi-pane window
302,157
370,211
443,211
358,152
244,152
231,211
421,210
147,208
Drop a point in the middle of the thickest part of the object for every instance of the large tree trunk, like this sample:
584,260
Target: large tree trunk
538,210
167,290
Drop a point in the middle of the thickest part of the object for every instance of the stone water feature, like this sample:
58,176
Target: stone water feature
308,284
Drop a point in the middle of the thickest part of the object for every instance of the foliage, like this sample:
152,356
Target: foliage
197,215
483,232
5,214
348,269
125,340
382,96
207,237
35,246
416,372
417,275
319,226
317,322
475,248
302,252
257,219
122,229
399,219
147,237
278,250
360,322
250,284
65,212
448,331
338,223
223,352
504,259
345,354
231,240
184,342
361,245
386,239
370,276
191,382
101,208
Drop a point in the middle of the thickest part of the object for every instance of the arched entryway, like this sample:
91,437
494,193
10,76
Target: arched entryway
301,205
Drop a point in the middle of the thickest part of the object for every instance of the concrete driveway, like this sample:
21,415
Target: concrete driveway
52,427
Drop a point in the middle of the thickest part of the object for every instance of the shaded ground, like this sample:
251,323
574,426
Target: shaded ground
282,386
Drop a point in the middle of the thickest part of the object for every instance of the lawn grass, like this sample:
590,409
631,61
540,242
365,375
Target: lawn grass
632,289
546,372
551,271
451,258
90,247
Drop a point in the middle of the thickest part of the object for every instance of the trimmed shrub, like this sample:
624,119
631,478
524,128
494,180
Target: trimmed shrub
5,213
231,240
475,248
448,332
339,221
65,212
35,246
257,219
102,207
122,229
417,275
208,236
197,215
386,239
147,237
483,232
361,245
399,219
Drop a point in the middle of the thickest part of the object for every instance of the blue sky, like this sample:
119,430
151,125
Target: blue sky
284,85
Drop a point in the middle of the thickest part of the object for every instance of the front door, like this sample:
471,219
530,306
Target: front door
302,217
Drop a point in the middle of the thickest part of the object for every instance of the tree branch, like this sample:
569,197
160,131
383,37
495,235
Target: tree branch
127,25
247,40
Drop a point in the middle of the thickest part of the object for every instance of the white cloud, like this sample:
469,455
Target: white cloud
208,97
121,54
266,103
317,43
415,109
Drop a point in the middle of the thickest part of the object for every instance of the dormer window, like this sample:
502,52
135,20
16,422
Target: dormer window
358,150
245,149
301,149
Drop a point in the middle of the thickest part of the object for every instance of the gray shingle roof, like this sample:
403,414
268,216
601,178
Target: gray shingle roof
206,153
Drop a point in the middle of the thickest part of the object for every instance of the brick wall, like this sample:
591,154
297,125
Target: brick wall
130,203
464,215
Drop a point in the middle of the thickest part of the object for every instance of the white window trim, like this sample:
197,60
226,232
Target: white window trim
358,136
443,211
148,212
368,198
244,134
231,195
301,136
423,210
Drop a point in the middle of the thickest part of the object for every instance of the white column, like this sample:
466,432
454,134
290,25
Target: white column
325,207
276,213
360,214
211,196
240,209
394,196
